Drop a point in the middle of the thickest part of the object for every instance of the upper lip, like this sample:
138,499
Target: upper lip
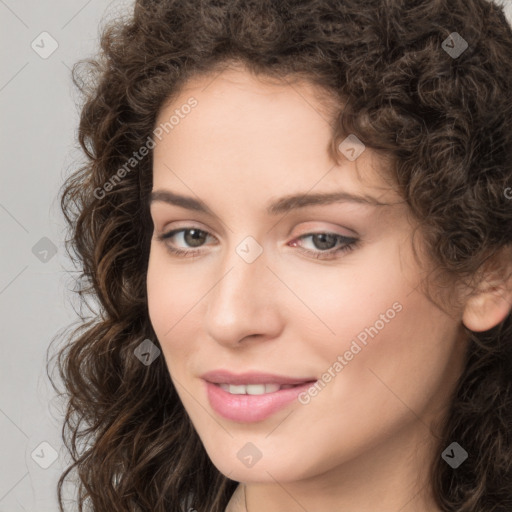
226,377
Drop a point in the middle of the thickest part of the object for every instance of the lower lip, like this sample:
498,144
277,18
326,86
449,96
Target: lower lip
251,408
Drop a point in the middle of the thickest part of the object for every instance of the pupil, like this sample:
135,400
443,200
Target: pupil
324,241
194,237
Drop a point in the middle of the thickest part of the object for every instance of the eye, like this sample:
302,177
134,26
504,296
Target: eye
192,237
325,245
328,245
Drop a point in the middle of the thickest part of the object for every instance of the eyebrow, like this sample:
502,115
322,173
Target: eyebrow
283,205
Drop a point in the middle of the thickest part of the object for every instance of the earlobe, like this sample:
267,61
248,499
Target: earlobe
491,303
486,310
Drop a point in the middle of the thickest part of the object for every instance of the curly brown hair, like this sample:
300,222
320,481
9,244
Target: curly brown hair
444,122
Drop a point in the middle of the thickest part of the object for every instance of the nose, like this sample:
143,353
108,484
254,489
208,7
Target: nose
245,302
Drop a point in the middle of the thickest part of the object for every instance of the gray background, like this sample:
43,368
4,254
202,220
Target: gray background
38,149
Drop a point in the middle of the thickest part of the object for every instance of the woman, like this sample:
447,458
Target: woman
295,220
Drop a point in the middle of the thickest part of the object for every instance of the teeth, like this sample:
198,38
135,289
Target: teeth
252,389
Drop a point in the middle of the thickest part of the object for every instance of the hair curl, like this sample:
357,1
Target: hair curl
446,124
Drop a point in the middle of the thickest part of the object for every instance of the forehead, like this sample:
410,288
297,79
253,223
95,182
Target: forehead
238,84
258,131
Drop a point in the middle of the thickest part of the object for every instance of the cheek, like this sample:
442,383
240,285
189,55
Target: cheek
172,297
345,299
160,307
401,357
386,331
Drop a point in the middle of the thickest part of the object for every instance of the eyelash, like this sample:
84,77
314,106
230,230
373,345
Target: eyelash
350,244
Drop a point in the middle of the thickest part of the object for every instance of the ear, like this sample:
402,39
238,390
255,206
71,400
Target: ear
491,302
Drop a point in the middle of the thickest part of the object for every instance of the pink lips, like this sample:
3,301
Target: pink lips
251,408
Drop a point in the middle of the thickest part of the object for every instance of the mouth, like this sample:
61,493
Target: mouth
257,389
252,397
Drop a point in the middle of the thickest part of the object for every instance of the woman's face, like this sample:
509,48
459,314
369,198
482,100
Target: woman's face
311,289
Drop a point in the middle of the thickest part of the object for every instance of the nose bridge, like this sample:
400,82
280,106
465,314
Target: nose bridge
246,267
241,302
241,281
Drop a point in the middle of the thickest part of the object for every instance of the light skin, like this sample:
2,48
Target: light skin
364,443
